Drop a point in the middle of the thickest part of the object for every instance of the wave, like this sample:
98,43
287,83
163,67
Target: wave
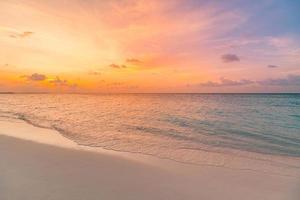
192,129
272,162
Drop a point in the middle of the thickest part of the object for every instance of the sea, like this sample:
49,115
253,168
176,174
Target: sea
179,127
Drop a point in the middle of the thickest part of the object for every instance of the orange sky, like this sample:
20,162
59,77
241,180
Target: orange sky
147,46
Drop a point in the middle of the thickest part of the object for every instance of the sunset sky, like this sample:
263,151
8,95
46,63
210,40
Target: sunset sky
149,46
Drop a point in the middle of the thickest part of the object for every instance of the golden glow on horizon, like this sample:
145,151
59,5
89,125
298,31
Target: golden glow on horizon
122,46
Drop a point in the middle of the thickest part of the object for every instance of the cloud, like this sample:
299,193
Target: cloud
21,35
280,42
272,66
121,85
26,34
62,82
227,82
5,65
117,66
133,61
95,73
73,86
35,77
115,84
290,80
58,81
14,33
227,58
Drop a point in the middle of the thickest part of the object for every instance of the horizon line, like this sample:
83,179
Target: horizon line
98,93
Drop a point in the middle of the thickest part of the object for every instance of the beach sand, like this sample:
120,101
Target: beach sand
33,166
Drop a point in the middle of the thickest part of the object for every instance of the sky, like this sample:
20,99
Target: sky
141,46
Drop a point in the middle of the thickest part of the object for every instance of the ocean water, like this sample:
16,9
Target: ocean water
175,126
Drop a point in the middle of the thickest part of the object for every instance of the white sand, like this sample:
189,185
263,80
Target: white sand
39,164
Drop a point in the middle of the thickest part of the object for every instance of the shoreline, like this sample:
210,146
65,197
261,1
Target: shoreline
25,130
36,170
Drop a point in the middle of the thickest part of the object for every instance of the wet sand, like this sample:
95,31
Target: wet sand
49,170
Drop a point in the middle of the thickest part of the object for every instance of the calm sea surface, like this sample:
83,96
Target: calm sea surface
174,126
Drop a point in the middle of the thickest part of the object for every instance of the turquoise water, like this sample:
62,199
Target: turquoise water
174,126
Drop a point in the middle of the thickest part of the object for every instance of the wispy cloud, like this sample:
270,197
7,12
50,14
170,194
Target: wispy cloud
272,66
62,82
227,82
5,65
14,33
35,77
58,81
290,80
227,58
133,61
140,42
21,35
121,85
95,73
280,42
117,66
